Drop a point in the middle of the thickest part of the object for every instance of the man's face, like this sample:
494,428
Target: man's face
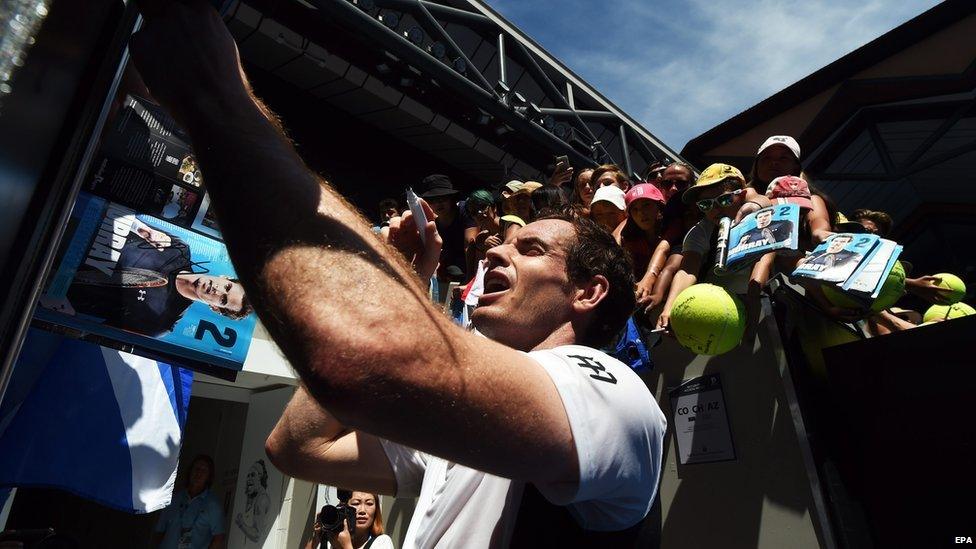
390,213
777,161
527,292
251,481
483,215
607,215
199,473
609,178
675,180
837,244
764,219
218,291
442,205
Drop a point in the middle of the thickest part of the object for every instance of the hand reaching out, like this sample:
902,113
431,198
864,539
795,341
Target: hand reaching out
927,288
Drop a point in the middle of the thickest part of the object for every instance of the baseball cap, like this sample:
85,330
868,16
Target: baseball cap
611,194
790,189
712,175
528,187
783,140
436,185
510,188
642,191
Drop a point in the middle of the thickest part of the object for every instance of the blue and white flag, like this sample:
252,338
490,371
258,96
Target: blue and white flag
100,423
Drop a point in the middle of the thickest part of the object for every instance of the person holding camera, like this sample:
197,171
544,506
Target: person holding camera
332,523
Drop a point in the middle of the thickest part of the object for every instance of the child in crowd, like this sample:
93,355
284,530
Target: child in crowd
640,236
720,191
609,207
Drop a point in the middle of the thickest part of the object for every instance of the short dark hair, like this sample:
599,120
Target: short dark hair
211,468
388,203
880,219
246,307
595,252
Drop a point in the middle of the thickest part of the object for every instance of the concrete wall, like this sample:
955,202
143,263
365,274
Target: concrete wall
763,498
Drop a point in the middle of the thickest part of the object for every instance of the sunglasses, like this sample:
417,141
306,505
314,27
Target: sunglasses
679,184
720,201
479,212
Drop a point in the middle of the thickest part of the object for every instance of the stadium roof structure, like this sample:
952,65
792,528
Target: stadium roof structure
450,77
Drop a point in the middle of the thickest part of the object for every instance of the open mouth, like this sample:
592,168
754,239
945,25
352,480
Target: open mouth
496,283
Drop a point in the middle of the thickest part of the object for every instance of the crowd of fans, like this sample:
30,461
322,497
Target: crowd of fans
667,224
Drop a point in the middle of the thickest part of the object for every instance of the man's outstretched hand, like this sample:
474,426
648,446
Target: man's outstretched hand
187,58
404,235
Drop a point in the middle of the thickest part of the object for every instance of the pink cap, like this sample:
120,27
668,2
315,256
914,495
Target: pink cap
644,190
790,189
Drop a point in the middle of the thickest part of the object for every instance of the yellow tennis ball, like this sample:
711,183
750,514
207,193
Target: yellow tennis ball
948,312
708,320
954,283
891,291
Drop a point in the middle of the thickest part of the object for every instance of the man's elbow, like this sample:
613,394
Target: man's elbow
283,452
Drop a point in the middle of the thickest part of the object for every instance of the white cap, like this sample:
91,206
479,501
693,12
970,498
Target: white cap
784,140
611,194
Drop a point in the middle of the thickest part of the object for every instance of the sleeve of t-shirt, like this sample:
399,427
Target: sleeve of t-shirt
408,467
697,240
618,429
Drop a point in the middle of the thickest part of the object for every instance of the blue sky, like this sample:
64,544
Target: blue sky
681,67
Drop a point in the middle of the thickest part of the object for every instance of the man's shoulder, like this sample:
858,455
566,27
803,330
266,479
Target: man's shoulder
590,363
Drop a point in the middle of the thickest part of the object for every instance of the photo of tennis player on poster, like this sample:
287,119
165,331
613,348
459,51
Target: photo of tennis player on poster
126,271
763,231
835,259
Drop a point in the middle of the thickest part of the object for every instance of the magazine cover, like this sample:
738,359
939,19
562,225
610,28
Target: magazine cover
761,232
150,283
836,258
868,279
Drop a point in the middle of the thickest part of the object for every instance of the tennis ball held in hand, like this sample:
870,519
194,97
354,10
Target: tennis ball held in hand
708,320
954,283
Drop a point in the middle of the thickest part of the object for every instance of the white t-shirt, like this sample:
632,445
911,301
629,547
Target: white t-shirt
618,429
699,239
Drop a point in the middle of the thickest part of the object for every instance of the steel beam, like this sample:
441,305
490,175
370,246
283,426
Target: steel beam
348,15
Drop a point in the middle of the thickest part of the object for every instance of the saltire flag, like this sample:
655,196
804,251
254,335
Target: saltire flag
100,423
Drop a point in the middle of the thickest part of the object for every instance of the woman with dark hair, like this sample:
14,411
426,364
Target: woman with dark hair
368,533
546,199
640,236
194,518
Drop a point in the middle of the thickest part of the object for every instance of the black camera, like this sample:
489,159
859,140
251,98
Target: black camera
332,516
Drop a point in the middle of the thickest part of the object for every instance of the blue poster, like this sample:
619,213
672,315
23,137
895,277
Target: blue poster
149,283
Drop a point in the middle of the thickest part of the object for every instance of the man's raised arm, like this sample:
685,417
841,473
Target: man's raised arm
307,258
